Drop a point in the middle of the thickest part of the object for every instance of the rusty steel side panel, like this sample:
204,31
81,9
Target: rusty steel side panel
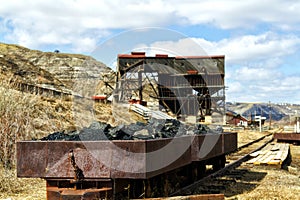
230,142
136,159
97,159
207,146
167,154
31,159
86,157
195,147
211,145
51,159
128,159
213,142
287,136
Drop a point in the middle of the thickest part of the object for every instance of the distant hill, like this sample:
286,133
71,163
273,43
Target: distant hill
277,111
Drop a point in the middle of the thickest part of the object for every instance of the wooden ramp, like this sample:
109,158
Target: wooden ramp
273,154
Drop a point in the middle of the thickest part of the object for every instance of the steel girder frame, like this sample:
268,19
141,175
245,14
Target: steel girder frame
192,85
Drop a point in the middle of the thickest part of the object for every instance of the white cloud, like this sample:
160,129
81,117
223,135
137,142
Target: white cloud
253,47
35,23
252,59
237,14
284,89
182,47
260,51
265,50
235,87
255,74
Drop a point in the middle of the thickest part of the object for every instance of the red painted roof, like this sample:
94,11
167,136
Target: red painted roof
143,55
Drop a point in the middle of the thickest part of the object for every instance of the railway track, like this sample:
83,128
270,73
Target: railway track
214,182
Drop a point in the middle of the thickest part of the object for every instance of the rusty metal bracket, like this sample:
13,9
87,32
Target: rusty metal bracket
79,176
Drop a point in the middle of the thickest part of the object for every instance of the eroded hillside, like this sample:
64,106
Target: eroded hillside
58,70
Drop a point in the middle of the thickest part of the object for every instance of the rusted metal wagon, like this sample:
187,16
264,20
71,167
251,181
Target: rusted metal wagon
131,168
287,137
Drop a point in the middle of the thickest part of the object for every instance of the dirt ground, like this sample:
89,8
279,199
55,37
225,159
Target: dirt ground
266,182
269,182
256,182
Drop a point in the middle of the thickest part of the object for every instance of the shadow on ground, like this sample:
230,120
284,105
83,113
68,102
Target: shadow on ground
235,182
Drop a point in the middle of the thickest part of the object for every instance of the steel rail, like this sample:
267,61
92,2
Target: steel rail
228,167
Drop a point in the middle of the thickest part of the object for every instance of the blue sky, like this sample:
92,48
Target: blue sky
259,38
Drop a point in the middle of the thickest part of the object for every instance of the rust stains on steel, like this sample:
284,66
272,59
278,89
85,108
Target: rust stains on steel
291,137
79,176
102,159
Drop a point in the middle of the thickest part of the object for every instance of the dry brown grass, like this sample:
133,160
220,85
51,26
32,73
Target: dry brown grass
24,117
277,184
17,188
247,136
15,111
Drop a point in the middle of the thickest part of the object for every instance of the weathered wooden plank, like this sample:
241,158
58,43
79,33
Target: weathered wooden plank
262,157
275,162
253,160
268,158
273,154
256,153
259,156
285,152
278,156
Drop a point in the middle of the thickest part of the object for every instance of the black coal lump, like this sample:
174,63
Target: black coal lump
132,128
72,135
118,133
155,128
54,136
88,134
96,131
182,130
100,126
201,129
61,135
144,134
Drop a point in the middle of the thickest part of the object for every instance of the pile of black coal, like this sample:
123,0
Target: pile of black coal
155,128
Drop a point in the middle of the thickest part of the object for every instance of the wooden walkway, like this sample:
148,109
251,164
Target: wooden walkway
273,154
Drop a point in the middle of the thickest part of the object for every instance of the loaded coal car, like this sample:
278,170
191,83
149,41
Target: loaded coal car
143,159
87,164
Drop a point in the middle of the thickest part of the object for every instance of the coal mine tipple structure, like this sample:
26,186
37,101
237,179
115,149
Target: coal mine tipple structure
185,85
